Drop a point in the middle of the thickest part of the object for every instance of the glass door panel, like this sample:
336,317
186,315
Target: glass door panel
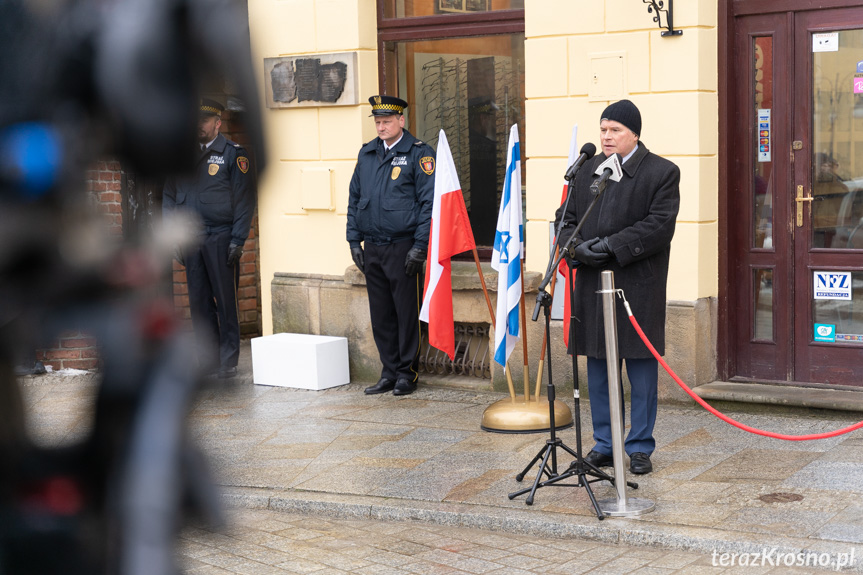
762,183
837,140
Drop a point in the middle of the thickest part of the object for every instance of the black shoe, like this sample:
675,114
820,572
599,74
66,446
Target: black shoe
639,463
404,387
227,372
598,459
383,386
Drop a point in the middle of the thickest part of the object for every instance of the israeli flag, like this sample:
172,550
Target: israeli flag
508,253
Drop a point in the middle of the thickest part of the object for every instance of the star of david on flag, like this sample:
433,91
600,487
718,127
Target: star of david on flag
507,255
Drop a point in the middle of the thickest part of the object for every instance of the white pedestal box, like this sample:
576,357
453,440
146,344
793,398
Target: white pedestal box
300,360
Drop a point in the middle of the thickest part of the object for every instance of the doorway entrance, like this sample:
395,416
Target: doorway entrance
792,307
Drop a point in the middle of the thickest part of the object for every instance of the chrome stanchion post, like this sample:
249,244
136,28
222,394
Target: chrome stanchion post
614,399
621,506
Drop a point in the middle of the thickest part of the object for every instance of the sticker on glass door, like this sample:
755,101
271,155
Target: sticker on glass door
832,285
824,332
764,134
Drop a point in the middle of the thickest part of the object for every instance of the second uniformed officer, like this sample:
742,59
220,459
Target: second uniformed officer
222,194
389,212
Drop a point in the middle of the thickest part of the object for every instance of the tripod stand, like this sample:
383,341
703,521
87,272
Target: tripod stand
579,468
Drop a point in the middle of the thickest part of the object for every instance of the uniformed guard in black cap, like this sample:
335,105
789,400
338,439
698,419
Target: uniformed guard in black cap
389,213
221,192
387,105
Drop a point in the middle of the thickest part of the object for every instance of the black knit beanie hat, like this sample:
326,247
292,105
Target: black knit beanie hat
626,113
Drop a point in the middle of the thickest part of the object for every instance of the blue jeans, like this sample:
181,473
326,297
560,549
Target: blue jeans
643,375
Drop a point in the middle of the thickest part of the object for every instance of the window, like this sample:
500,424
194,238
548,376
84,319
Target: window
413,8
460,66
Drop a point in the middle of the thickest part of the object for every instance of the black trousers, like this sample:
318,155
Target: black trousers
394,303
213,301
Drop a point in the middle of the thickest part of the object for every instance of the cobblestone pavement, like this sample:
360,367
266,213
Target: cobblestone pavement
265,542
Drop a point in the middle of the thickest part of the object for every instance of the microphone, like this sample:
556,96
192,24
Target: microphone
587,152
609,169
598,186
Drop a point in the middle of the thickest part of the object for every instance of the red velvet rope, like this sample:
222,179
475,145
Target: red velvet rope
724,417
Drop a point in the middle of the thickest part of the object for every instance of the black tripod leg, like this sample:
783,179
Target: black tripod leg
548,449
548,452
524,471
583,480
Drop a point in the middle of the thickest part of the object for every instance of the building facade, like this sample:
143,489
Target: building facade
754,100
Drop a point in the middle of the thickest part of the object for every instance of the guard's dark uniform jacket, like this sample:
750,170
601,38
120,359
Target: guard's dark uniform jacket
389,208
391,196
221,191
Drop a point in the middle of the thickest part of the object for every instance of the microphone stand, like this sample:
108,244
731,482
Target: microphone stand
579,467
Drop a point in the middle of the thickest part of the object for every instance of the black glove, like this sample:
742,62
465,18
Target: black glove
357,255
595,253
414,262
602,247
178,255
235,252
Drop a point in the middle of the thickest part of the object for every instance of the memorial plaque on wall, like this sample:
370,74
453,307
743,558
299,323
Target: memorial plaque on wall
318,80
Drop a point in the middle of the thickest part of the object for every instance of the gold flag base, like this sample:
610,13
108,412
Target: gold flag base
524,416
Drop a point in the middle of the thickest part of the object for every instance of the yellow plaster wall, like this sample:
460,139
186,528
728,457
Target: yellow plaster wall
313,140
673,81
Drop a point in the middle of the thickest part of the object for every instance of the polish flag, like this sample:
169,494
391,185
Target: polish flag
450,235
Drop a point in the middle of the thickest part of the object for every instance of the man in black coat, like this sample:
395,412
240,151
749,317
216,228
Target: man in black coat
389,212
221,194
628,232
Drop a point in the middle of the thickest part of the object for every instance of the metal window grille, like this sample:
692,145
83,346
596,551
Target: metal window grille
472,357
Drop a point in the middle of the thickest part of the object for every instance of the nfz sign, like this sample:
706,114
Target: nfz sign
832,285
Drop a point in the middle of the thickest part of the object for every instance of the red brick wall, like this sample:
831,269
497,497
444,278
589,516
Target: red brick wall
75,350
72,350
104,183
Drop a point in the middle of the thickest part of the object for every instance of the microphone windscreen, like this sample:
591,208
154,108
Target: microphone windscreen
589,150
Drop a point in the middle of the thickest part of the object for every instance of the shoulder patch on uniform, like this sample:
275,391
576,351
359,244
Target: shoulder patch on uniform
243,164
427,164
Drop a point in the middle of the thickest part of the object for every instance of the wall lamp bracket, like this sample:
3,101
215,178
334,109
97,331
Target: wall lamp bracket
657,7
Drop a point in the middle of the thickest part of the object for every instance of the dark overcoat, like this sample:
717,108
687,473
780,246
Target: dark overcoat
637,215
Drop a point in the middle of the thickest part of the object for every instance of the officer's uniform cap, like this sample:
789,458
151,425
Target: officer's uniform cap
211,107
387,105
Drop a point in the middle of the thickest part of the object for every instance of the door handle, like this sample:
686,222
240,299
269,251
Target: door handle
799,200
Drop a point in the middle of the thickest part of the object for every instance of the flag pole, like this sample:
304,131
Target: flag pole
526,372
491,313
